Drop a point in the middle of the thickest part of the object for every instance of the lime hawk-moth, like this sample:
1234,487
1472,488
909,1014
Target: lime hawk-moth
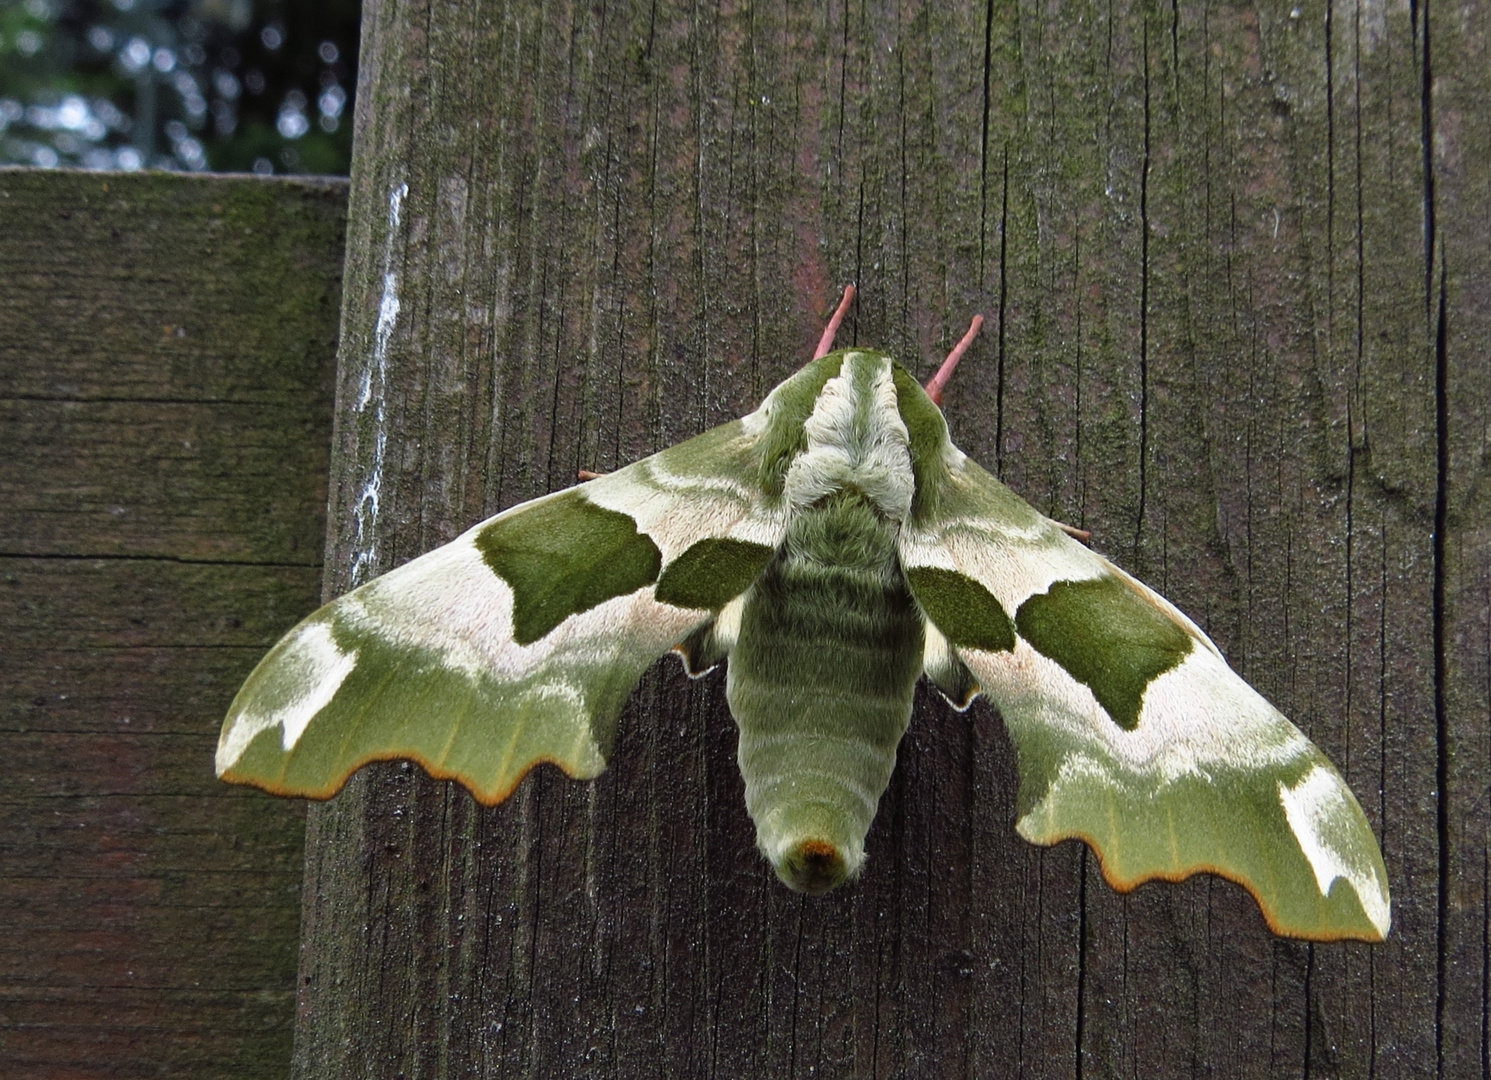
830,548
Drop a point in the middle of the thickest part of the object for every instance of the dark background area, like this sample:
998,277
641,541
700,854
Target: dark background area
223,85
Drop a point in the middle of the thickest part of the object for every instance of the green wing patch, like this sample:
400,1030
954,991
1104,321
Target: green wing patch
712,572
968,614
565,555
1107,637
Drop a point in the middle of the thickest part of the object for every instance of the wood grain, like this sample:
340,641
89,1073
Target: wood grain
1235,264
166,361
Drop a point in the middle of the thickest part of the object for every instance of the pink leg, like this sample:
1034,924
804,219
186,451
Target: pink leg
938,382
826,342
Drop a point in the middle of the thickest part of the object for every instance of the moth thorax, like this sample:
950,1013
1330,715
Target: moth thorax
856,440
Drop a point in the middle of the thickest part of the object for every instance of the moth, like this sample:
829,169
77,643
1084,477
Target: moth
833,546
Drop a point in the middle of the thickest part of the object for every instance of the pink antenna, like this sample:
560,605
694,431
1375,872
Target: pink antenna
826,342
938,382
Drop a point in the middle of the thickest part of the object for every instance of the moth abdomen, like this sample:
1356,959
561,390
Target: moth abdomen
820,683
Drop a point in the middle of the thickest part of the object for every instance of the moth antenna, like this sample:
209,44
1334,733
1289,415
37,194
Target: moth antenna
938,382
826,342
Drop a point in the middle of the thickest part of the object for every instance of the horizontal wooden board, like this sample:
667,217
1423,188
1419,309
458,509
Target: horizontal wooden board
166,356
136,689
161,603
171,479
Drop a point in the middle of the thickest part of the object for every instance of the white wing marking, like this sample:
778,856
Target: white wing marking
1013,578
312,670
1194,716
1311,806
474,630
676,510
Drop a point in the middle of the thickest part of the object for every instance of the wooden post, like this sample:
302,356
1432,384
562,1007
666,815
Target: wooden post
1218,339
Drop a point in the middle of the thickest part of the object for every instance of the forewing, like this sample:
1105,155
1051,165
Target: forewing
1132,732
516,643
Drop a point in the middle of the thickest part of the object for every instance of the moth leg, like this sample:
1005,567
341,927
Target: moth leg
1071,530
826,342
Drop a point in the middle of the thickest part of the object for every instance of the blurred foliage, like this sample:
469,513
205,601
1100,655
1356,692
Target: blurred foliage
227,85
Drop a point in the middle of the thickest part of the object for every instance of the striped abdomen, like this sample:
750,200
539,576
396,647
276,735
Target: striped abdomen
820,681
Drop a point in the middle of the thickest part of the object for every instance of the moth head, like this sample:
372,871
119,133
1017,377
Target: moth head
781,423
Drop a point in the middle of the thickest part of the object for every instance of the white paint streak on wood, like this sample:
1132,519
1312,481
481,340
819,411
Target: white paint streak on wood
365,545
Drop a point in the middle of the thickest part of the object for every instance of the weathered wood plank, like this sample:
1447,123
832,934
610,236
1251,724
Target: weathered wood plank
1215,341
165,404
1460,39
90,603
122,688
170,479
